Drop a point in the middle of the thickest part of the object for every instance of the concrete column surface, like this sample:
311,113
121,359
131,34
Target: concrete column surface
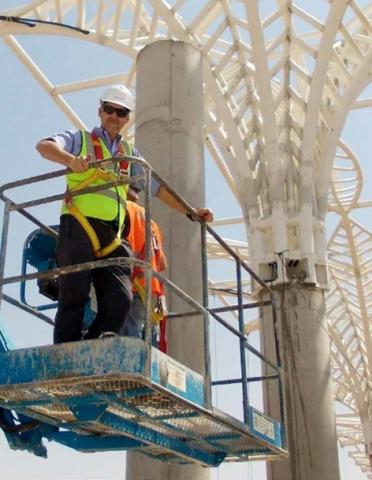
169,134
305,350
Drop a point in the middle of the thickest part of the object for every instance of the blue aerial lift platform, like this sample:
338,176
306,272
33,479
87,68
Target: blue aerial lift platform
98,396
120,393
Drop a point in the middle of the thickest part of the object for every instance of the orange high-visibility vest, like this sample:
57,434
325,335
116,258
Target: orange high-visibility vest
136,239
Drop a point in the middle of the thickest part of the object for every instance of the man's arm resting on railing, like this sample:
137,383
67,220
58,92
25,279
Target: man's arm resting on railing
53,151
204,213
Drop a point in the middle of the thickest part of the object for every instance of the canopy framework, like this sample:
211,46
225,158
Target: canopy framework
280,79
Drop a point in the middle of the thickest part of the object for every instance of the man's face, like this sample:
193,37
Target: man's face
113,117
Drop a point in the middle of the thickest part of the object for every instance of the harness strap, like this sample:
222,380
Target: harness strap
103,252
98,252
90,146
89,230
158,306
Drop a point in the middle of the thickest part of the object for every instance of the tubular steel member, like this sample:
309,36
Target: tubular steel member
242,342
207,359
164,407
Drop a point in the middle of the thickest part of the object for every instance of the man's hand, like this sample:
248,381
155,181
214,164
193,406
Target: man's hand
53,151
79,164
205,214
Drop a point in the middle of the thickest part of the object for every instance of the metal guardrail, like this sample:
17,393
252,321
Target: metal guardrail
203,310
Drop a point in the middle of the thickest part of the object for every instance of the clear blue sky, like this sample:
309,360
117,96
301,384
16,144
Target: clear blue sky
26,115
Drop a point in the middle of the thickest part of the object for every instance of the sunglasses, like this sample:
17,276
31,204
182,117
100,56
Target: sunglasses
120,112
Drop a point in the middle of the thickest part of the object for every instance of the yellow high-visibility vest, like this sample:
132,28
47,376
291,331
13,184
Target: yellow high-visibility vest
107,204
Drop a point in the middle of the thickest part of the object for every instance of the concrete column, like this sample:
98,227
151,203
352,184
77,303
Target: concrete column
169,134
305,350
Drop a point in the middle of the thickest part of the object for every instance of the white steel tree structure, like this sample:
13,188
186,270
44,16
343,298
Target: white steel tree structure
280,79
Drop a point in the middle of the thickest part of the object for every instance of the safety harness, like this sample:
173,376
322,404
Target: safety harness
158,305
95,147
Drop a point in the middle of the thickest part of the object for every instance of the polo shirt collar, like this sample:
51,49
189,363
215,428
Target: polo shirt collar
102,133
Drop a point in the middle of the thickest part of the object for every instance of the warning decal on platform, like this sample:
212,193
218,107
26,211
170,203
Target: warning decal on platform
176,375
263,425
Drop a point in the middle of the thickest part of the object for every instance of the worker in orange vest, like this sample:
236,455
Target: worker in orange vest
135,319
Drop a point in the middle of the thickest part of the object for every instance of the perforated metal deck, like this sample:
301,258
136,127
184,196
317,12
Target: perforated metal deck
97,396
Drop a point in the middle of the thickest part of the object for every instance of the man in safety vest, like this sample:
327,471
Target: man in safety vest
91,224
135,232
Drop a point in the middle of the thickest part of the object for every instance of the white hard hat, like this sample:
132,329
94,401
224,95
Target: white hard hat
119,94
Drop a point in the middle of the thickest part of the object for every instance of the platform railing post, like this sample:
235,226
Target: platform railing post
4,242
242,341
148,270
280,379
207,357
